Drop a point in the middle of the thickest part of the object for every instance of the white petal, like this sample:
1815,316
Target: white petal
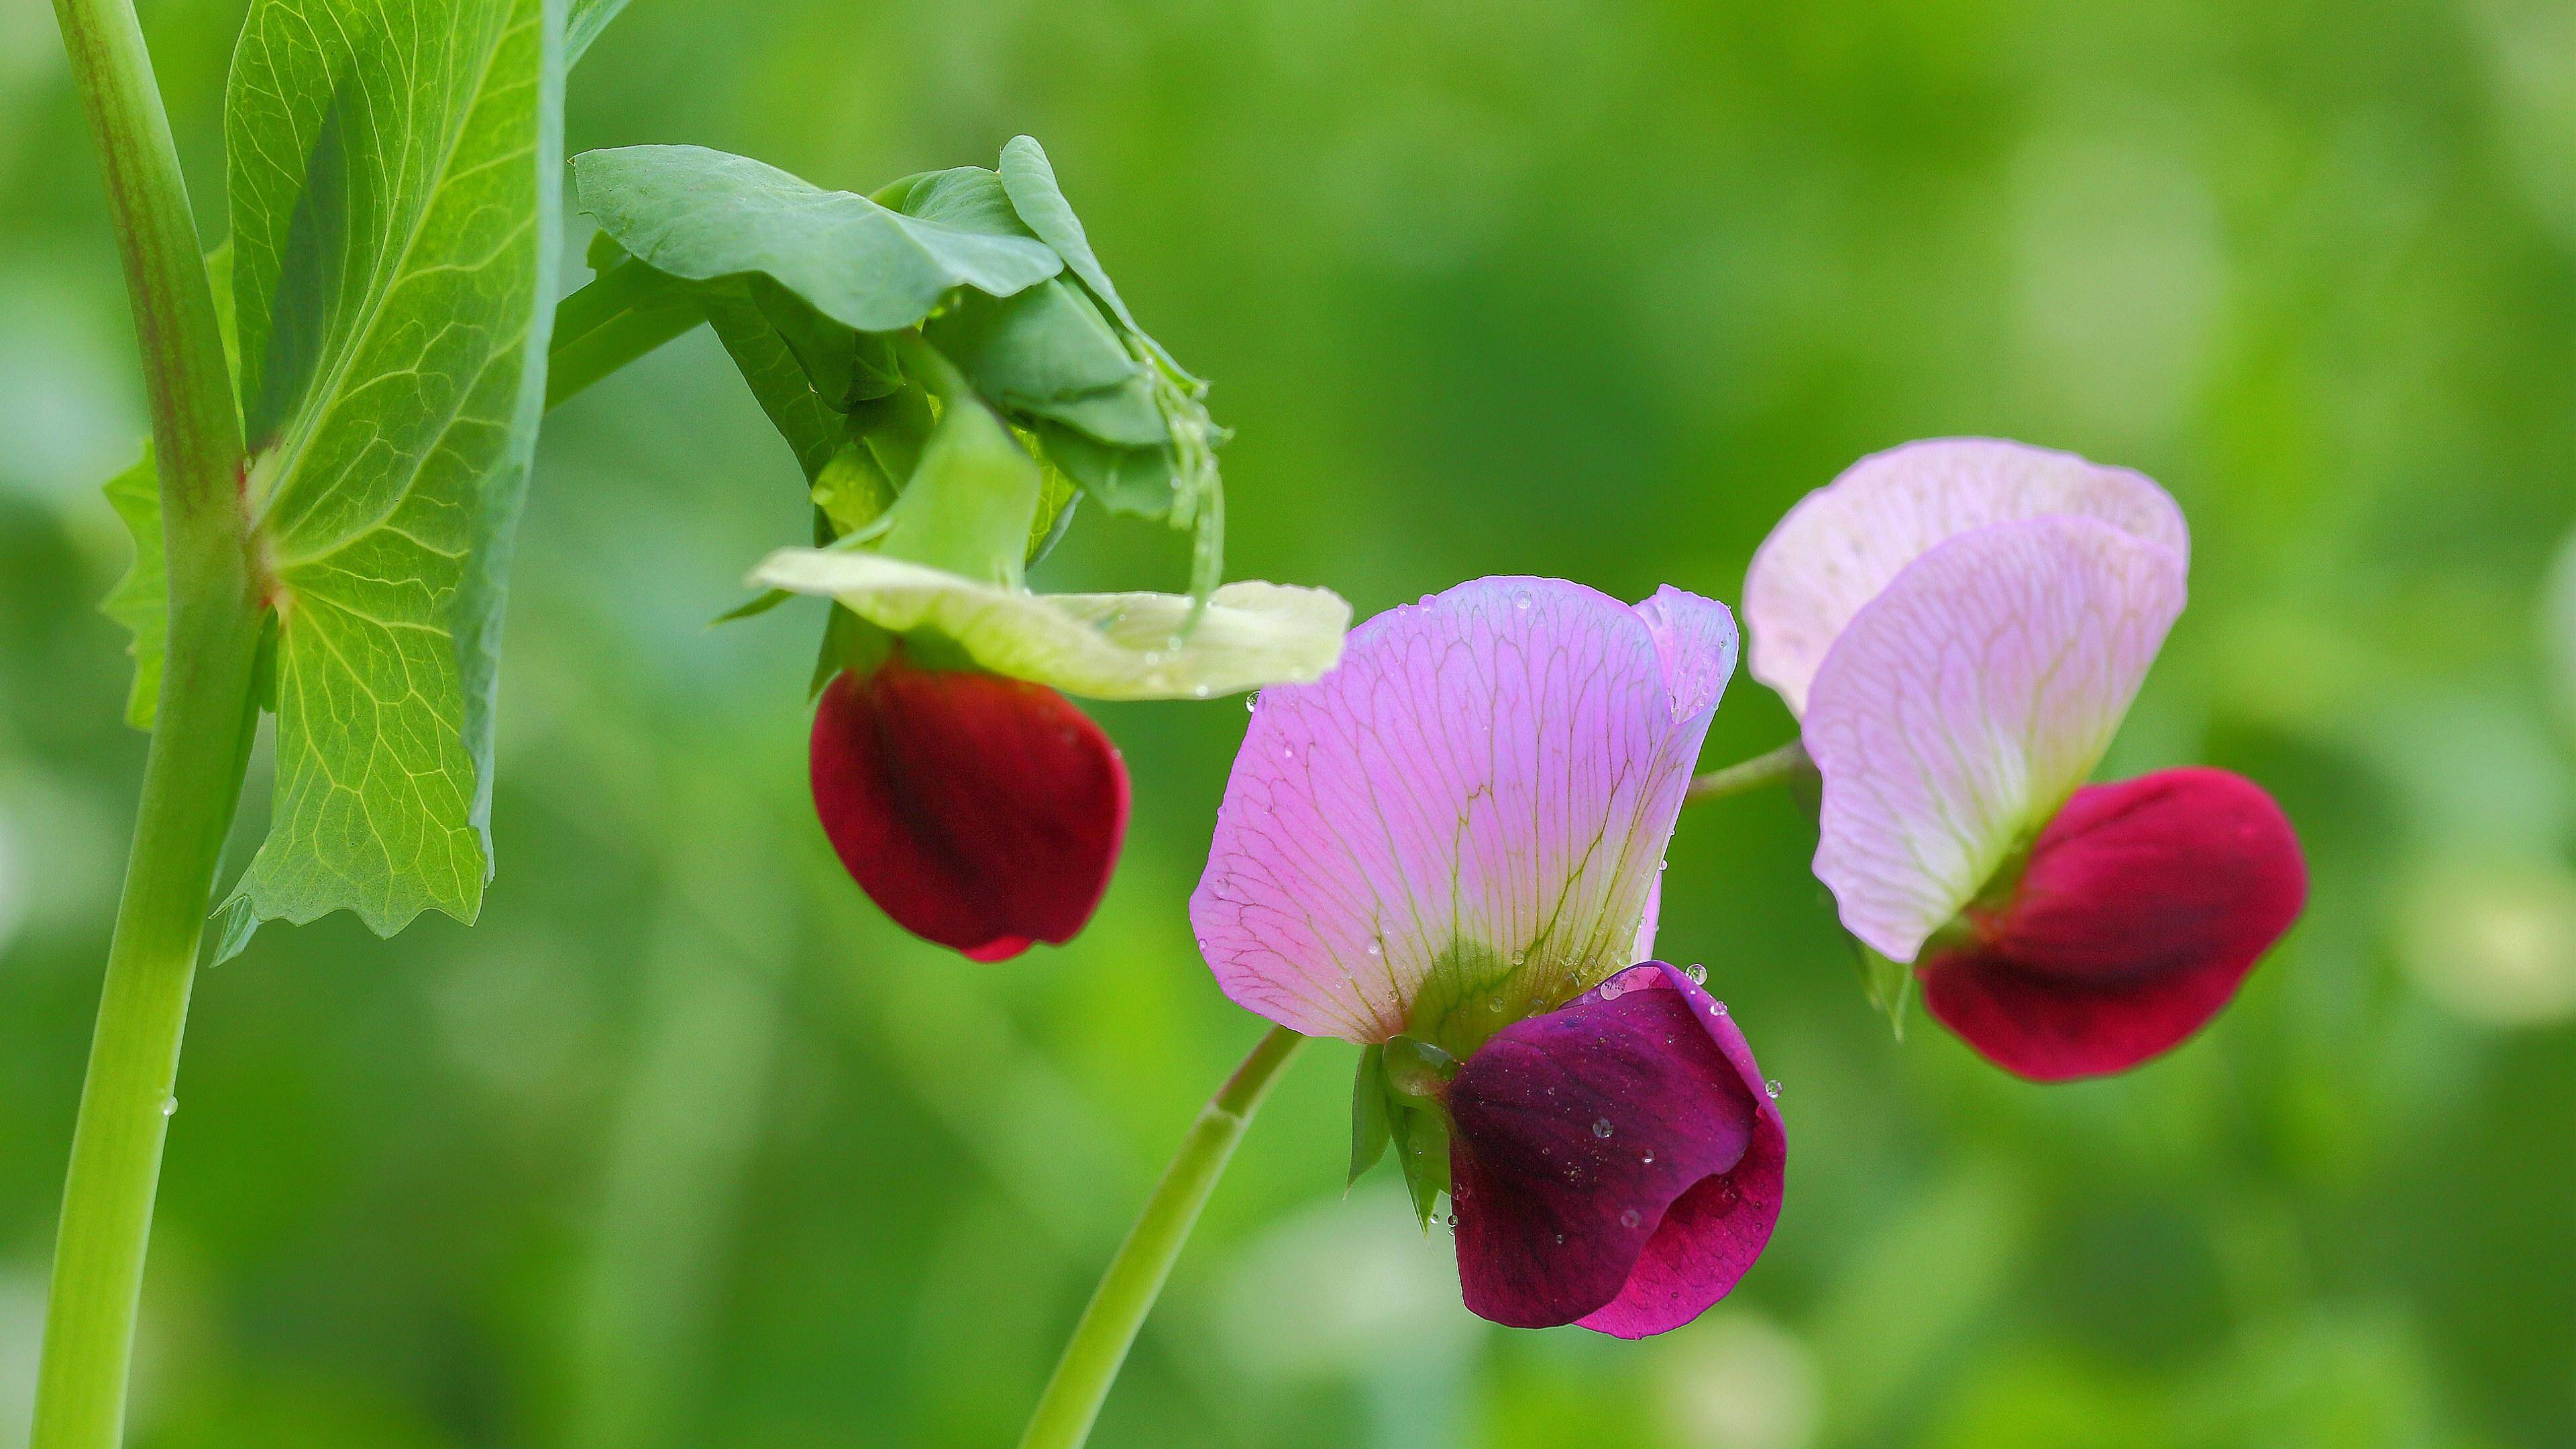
1103,646
1963,705
1841,544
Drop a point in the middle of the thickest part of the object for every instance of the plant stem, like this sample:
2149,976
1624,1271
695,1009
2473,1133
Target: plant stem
200,738
624,313
1775,767
1127,1291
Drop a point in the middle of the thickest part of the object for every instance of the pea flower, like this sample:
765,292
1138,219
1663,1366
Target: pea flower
1447,849
964,793
1960,625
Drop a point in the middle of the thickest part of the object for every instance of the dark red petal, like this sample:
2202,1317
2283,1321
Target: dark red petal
1615,1162
982,813
2144,906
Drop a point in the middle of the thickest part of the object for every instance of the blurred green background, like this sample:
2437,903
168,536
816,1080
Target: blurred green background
682,1145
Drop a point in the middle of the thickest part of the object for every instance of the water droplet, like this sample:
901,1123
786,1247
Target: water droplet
1628,1219
1772,1087
1648,1158
1493,1003
169,1106
1697,973
1287,752
1600,1126
1519,956
1718,1010
1612,990
1200,691
1376,949
1521,600
1560,1237
1452,1220
1252,701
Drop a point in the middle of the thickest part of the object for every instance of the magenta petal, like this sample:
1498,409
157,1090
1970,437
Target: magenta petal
1616,1162
2144,905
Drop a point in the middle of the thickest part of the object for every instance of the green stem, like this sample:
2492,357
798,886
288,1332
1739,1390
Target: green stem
1127,1291
1775,767
624,313
201,729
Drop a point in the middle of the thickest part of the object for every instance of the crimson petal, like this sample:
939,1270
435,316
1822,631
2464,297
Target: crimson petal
2144,905
1616,1162
979,812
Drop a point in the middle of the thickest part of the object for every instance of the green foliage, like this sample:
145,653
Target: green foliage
701,215
808,288
394,225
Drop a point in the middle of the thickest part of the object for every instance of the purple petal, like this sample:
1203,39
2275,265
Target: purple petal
1460,823
1615,1163
1845,542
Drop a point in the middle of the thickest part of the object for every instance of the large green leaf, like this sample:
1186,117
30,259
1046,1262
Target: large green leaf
393,187
702,214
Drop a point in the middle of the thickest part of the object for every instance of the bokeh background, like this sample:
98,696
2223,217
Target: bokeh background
683,1146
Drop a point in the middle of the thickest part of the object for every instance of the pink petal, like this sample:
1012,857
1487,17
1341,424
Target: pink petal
1461,822
1966,702
2144,906
1844,542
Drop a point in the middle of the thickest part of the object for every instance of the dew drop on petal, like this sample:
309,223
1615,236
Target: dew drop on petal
1628,1219
1519,956
1772,1087
1376,949
1493,1003
1200,691
1612,990
1560,1237
1697,973
169,1106
1252,701
1600,1126
1521,600
1648,1159
1718,1010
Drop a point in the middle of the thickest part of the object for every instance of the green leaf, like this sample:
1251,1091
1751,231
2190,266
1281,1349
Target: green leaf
1048,353
702,214
1029,180
141,600
1369,1134
393,194
1421,1138
1193,494
583,24
1889,985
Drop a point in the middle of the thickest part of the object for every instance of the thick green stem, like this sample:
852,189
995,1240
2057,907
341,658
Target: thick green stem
193,770
1775,767
1135,1278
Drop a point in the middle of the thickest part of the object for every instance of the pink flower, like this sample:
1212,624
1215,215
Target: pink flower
1451,843
1961,624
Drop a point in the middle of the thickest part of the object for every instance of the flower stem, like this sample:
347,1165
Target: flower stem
200,741
1776,767
1127,1291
